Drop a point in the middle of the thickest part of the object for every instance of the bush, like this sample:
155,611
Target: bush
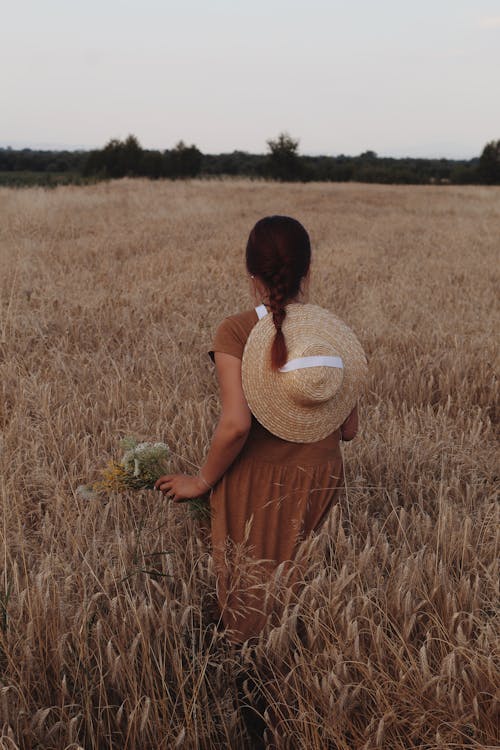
183,161
283,161
489,164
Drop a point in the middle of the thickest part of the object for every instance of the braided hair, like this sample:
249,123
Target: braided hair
279,252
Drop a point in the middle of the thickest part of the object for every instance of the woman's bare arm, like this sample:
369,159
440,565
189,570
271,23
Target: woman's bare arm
228,439
234,423
349,428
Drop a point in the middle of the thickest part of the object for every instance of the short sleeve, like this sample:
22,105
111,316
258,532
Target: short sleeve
229,338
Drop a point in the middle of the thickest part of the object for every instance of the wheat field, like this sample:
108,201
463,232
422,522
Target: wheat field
110,295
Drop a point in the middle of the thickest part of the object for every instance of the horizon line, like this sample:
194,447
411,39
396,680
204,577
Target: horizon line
45,146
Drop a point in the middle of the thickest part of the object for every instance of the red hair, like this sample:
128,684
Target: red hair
279,252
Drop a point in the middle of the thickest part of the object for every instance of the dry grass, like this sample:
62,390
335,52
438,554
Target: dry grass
109,298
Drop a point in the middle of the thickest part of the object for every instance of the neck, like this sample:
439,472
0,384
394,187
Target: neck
288,302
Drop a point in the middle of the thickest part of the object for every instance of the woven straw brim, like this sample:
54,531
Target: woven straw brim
266,390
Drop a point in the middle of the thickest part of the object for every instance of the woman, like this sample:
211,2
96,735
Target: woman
289,375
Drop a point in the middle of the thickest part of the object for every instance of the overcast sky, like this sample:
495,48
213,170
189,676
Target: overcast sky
419,78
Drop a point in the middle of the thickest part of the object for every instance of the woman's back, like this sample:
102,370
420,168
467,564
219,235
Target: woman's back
231,337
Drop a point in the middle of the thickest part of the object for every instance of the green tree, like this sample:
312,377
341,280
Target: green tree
152,164
283,160
116,159
489,163
132,155
183,161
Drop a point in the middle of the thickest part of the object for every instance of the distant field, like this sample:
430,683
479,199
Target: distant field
110,295
24,178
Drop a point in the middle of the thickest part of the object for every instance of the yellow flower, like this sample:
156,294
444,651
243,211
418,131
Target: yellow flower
114,478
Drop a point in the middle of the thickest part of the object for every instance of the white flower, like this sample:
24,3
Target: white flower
127,459
140,447
144,457
86,492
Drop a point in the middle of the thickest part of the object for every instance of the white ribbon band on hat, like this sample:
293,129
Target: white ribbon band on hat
317,361
302,362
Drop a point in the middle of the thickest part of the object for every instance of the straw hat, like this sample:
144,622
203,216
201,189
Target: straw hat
314,393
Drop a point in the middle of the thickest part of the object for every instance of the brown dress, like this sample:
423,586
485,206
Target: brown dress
274,494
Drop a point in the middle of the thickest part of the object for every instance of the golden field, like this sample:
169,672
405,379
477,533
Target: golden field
110,295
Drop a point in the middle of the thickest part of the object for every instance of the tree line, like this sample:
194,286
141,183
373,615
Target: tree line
282,161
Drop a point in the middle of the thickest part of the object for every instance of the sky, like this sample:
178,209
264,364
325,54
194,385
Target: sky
397,77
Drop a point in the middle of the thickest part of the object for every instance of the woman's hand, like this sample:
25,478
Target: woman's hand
349,429
180,487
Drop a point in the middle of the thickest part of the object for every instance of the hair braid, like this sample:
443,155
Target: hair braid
278,294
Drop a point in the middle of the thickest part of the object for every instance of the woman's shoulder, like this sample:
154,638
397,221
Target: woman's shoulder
242,320
232,332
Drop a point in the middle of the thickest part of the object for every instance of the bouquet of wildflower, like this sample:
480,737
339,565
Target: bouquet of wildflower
140,466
